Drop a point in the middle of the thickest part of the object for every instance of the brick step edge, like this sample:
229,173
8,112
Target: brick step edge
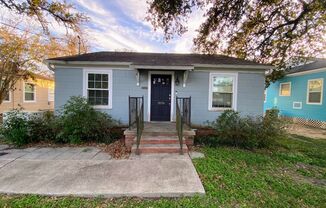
165,141
159,134
159,150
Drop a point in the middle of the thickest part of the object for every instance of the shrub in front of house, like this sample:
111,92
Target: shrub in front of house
247,132
80,122
42,126
76,122
15,128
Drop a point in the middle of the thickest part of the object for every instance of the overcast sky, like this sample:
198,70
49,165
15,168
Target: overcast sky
121,25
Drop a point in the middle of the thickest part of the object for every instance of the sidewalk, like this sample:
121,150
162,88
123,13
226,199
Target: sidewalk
70,171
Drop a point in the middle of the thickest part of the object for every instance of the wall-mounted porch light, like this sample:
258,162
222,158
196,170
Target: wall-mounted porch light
177,82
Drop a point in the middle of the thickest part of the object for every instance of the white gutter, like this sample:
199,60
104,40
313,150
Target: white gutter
95,63
306,72
233,66
49,63
162,67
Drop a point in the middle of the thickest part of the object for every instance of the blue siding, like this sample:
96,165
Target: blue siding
250,92
68,82
250,95
298,94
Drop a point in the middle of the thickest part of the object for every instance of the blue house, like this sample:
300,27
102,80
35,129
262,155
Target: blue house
171,92
214,83
300,94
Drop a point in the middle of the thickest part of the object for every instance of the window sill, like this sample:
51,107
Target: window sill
220,109
103,107
314,103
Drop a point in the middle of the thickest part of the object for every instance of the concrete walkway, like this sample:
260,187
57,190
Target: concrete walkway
89,173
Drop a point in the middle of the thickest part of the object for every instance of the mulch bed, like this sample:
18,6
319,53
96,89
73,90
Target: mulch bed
117,149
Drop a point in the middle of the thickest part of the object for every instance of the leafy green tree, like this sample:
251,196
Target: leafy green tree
41,9
267,31
22,51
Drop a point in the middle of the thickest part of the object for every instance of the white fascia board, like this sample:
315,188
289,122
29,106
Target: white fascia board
162,67
232,66
83,63
307,72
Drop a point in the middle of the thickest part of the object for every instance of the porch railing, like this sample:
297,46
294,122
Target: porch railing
185,109
136,117
183,116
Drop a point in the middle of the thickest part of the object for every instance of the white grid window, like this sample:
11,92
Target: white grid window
98,87
315,91
222,91
29,92
285,89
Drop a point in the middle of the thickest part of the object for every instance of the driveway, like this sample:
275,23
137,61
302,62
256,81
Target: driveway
89,172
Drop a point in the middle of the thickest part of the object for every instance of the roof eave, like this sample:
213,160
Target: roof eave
235,66
172,67
50,64
322,69
76,63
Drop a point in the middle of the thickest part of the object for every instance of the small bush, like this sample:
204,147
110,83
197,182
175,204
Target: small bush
42,127
248,132
80,122
15,128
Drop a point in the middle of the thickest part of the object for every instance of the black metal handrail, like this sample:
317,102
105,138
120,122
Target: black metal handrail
136,117
179,126
184,104
183,116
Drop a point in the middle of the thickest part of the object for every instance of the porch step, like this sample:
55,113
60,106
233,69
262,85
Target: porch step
154,133
158,148
160,140
159,137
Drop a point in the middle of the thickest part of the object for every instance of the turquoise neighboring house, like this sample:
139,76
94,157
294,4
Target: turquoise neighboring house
300,94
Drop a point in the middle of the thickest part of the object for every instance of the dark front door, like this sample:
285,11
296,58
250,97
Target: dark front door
160,97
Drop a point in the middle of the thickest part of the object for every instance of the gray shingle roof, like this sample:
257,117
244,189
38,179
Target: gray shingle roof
316,64
159,59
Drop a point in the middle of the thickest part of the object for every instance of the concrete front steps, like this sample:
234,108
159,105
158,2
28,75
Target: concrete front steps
150,144
158,148
158,138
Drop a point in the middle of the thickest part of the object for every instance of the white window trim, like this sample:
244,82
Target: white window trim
8,101
234,91
49,95
150,92
30,101
293,105
98,71
265,95
280,87
321,93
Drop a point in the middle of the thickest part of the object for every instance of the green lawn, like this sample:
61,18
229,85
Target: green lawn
293,174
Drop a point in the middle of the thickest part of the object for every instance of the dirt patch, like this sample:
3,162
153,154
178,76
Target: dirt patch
306,131
298,177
